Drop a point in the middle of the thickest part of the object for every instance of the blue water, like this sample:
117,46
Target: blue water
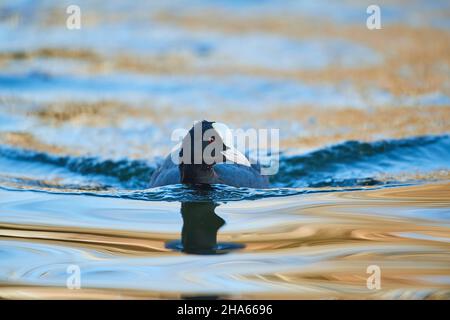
86,116
346,166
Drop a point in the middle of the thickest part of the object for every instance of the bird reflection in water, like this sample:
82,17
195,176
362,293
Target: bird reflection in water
199,232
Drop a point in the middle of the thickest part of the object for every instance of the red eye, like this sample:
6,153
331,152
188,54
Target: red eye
212,139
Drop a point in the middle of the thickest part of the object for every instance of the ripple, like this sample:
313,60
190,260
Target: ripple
348,166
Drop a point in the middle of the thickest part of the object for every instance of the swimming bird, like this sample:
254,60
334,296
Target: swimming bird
203,158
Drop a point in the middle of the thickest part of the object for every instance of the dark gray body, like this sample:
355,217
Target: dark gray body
224,173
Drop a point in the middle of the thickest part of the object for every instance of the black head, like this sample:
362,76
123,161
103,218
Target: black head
201,149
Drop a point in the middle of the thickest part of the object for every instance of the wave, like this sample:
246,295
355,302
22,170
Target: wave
128,173
360,163
346,166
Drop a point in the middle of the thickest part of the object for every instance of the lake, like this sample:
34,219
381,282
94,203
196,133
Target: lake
86,116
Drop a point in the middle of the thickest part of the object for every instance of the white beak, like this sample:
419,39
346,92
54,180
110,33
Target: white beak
234,156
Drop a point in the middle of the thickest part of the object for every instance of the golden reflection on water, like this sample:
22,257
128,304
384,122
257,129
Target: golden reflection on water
306,246
423,53
310,246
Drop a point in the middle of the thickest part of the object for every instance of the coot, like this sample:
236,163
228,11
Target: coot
203,158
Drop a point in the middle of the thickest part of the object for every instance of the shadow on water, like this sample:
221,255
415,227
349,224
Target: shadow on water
200,227
199,232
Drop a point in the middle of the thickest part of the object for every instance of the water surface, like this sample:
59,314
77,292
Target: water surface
86,116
